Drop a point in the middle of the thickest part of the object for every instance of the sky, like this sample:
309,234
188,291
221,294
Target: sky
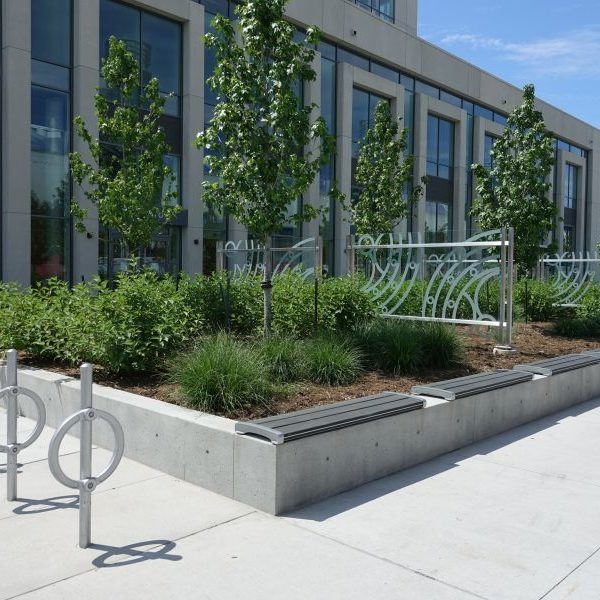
554,44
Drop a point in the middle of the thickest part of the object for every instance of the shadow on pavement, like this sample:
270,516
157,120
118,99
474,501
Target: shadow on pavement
122,556
34,507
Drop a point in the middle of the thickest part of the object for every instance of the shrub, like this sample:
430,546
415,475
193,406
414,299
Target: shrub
442,347
392,346
332,361
589,306
222,374
293,305
145,318
535,300
344,305
284,358
580,327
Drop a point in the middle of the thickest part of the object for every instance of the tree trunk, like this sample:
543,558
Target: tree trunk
267,286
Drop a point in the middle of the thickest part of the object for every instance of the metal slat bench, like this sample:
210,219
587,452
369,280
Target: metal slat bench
452,389
560,364
312,421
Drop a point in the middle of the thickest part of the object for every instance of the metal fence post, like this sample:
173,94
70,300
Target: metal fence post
503,272
351,254
220,256
11,427
511,283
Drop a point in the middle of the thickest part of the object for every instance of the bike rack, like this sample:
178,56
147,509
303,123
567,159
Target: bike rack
13,447
87,483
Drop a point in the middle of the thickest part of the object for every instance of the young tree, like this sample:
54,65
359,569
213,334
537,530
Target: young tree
126,184
515,192
384,172
257,140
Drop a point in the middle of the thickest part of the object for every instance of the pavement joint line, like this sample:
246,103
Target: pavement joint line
560,477
390,562
96,493
183,537
570,573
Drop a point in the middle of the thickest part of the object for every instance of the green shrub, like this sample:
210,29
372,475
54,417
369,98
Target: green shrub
284,358
535,300
222,374
579,327
331,360
145,319
344,305
293,305
392,346
442,347
589,306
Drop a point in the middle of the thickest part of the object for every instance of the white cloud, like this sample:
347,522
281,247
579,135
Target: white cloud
576,53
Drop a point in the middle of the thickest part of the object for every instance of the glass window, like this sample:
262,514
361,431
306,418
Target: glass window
49,75
51,31
501,119
484,112
50,145
569,239
438,218
121,21
407,82
353,59
384,9
49,245
153,40
570,192
425,88
386,72
450,99
488,161
161,53
440,147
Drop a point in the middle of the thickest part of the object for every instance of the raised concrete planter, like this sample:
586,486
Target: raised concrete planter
204,449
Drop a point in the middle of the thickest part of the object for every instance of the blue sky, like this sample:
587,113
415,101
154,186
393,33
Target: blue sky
554,44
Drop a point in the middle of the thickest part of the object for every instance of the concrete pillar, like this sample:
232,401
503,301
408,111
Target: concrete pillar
345,79
460,179
420,136
193,122
16,141
560,200
312,196
86,73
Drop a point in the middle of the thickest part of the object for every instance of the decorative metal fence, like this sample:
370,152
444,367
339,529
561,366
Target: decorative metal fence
570,274
247,258
469,282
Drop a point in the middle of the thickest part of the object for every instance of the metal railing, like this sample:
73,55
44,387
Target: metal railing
440,281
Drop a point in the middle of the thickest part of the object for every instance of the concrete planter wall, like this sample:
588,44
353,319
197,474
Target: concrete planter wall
204,449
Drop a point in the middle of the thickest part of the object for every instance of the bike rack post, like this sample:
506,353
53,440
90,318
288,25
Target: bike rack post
13,447
87,483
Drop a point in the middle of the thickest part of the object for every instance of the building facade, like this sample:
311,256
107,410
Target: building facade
370,52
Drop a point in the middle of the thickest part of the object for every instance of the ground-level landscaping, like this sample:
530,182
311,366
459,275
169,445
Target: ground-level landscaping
534,341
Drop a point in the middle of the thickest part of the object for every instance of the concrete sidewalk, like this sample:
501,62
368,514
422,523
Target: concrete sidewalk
516,516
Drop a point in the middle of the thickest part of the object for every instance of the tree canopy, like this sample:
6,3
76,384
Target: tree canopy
385,174
515,192
127,180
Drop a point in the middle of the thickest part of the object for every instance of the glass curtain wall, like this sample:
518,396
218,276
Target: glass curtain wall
570,203
440,170
51,38
363,117
156,42
215,224
328,172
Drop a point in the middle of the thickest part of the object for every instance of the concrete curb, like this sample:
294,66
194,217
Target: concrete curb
204,450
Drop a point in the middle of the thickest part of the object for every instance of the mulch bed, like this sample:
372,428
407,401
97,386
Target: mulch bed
533,341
